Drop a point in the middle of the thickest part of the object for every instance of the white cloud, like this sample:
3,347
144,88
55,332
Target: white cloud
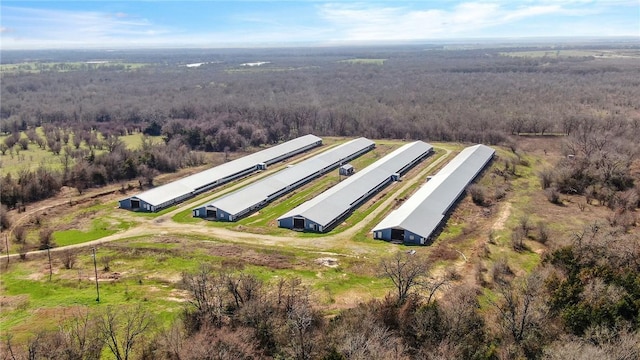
338,22
59,28
375,21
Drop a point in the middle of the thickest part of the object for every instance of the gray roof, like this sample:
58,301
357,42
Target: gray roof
328,206
253,195
422,213
190,184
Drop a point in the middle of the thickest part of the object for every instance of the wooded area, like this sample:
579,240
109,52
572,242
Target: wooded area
579,300
475,95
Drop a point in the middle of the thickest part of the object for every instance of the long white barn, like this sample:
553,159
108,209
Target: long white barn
418,218
166,195
242,202
324,211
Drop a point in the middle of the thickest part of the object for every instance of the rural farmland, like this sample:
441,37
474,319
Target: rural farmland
303,203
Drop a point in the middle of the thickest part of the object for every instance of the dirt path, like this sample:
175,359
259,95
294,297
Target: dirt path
165,225
502,218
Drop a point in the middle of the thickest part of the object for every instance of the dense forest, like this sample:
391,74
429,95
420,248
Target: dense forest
234,99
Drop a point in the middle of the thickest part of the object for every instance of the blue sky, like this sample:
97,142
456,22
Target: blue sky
149,24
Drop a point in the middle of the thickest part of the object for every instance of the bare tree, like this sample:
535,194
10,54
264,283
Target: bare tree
5,221
406,271
46,239
68,258
208,291
19,234
122,328
81,337
300,321
521,313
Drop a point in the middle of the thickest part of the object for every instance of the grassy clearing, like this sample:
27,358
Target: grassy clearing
37,67
134,141
147,270
16,159
364,61
555,54
264,69
42,303
99,228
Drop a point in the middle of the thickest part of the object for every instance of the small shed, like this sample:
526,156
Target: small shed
346,170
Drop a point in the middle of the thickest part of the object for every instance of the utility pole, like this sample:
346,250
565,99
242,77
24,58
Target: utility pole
6,244
95,267
50,266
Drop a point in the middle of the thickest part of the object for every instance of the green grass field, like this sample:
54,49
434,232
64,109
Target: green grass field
364,61
609,53
16,160
145,270
37,67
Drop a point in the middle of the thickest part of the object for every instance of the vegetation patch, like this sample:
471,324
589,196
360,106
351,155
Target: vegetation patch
364,61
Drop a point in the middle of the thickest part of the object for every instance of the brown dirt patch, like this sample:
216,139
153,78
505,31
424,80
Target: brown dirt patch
505,211
47,318
177,295
328,262
238,256
11,303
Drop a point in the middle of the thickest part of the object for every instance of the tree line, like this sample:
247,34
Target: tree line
101,162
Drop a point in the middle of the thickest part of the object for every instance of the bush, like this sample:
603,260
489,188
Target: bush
46,239
517,239
5,222
546,178
68,259
501,271
543,233
19,234
106,263
553,195
478,194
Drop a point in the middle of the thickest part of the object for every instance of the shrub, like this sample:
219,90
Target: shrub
46,239
19,234
478,194
517,239
543,233
553,195
546,178
5,221
501,271
68,258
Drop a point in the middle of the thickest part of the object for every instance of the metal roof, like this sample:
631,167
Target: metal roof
261,191
328,206
422,213
192,183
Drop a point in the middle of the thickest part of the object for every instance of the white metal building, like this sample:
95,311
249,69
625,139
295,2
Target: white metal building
420,216
242,202
324,211
168,194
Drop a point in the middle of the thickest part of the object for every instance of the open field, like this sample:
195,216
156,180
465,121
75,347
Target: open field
38,67
364,61
14,161
265,69
562,53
